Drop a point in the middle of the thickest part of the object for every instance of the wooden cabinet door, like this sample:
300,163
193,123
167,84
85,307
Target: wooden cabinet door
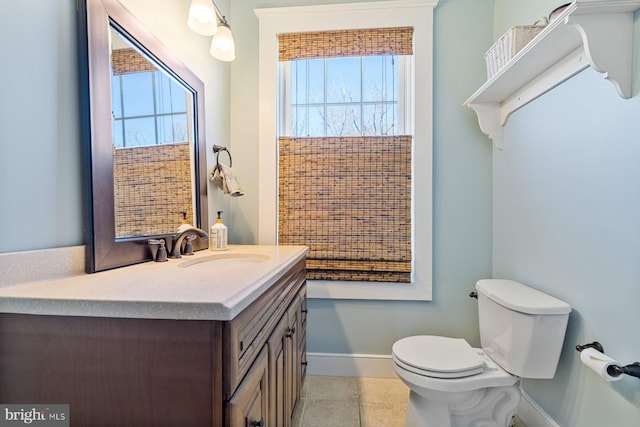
302,336
292,366
284,367
277,344
249,405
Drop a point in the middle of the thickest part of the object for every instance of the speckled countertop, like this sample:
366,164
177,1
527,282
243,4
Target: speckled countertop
209,285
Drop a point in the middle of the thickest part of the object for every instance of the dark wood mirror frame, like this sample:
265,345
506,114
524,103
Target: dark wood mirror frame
95,17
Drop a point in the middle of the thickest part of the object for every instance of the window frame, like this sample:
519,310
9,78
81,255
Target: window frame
415,13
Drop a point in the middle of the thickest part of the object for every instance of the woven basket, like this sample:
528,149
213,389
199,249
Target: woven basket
508,45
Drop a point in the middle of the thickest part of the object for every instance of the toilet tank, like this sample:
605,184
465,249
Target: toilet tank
521,328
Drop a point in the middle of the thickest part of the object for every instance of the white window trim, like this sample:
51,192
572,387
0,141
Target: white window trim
415,13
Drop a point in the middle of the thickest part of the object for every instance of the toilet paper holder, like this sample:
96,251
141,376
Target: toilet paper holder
633,369
594,344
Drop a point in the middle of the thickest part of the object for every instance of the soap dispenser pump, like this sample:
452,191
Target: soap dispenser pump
218,235
185,223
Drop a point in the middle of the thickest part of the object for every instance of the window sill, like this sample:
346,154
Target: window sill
323,289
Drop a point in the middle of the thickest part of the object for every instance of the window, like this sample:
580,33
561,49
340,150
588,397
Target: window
344,182
343,96
414,14
149,107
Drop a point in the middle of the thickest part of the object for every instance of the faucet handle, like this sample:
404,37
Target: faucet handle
158,249
188,246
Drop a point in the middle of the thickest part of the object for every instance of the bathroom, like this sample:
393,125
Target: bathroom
555,208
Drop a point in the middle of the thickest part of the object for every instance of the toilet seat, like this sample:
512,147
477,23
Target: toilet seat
438,357
490,373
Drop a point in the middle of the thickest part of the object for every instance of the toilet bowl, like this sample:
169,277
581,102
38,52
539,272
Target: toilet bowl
455,385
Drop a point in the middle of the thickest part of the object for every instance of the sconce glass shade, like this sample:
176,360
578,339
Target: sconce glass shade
222,46
202,17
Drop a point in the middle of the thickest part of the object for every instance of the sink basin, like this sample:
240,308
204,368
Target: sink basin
226,258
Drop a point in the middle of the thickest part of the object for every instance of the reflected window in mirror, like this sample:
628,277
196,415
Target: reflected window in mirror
149,106
152,137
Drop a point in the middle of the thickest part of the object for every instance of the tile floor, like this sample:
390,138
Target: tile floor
353,402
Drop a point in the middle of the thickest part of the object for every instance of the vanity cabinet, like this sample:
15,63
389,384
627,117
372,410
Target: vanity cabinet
279,339
163,372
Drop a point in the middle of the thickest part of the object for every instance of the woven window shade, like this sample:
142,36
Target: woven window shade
331,44
148,177
126,61
349,200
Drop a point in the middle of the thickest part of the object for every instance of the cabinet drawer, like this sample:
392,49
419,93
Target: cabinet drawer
247,333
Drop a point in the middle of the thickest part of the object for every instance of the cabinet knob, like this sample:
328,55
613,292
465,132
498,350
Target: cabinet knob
290,332
256,423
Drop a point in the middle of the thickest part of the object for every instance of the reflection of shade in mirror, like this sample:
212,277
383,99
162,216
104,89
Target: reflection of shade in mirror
153,144
152,187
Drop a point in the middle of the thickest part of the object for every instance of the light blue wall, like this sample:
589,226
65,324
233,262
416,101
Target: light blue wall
462,187
41,183
566,220
566,192
40,179
509,13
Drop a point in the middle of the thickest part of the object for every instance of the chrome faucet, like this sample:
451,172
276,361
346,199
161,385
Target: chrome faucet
189,234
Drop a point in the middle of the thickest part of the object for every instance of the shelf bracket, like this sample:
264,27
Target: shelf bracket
488,117
608,44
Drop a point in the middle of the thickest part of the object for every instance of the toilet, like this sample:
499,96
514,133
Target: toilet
455,385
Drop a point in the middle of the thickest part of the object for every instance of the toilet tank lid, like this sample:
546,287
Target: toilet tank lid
518,297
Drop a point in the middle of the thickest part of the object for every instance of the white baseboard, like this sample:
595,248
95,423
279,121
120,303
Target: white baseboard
532,414
350,365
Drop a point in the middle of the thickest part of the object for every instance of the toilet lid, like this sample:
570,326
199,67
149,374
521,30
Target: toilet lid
440,357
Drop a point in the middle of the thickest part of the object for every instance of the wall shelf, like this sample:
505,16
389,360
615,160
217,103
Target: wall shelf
589,33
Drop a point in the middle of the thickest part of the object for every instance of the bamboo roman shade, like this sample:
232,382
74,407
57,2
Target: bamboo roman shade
331,44
349,200
128,60
148,177
347,197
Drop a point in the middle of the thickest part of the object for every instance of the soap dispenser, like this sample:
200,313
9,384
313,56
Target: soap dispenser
218,235
185,223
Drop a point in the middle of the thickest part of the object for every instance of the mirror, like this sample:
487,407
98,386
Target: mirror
153,141
143,137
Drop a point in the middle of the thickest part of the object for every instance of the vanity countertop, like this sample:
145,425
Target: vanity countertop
209,285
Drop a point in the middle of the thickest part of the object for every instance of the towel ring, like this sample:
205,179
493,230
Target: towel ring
216,150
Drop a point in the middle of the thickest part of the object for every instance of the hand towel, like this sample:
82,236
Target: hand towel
226,180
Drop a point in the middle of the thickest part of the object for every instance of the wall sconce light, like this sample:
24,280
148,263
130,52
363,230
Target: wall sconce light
202,17
222,45
205,18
